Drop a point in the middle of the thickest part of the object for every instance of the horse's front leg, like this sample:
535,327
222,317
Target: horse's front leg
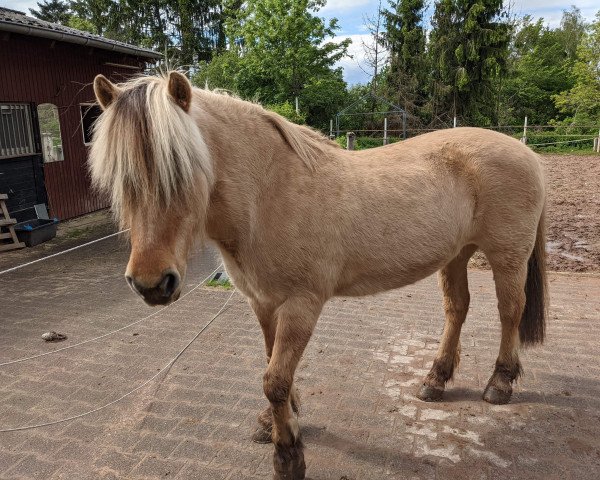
265,313
296,319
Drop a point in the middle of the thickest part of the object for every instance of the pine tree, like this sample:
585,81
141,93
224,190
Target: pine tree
405,39
468,50
55,11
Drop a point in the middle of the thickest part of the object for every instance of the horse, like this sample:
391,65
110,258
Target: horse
299,220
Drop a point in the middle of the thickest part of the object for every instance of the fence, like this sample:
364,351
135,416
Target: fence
539,137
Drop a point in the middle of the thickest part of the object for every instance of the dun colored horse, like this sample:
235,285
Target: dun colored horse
299,220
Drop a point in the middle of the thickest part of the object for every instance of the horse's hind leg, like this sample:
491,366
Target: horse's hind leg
296,319
453,281
510,278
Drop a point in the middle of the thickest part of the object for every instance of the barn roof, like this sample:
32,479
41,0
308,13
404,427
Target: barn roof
17,22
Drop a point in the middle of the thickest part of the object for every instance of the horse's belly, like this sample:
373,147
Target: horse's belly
378,277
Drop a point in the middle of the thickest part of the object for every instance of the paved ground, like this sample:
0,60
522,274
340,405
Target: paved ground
360,418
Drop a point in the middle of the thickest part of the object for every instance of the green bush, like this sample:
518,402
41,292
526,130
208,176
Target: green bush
288,111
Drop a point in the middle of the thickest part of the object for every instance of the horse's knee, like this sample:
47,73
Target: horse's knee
276,388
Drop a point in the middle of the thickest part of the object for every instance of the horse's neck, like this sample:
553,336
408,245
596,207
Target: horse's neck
242,147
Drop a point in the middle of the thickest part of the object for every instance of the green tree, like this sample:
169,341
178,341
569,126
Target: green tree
189,31
540,66
582,102
407,75
468,50
221,72
284,45
280,52
572,30
55,11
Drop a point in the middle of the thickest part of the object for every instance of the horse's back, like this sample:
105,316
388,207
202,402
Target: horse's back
502,174
418,203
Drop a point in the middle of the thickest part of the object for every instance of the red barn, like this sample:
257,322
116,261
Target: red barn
46,111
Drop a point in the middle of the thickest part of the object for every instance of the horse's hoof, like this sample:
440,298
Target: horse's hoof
496,396
428,393
262,435
288,462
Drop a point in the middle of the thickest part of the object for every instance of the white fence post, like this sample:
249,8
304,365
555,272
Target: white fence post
598,143
385,137
454,122
524,137
331,137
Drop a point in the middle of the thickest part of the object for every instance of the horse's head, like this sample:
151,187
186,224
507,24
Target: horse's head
149,155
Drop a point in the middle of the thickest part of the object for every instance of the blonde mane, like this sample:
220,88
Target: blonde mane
311,146
146,149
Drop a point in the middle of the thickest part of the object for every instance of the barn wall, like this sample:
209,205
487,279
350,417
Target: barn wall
42,71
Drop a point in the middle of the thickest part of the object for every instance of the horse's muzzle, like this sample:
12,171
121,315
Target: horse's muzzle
164,292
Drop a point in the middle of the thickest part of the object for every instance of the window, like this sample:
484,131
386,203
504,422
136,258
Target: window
50,132
89,115
16,134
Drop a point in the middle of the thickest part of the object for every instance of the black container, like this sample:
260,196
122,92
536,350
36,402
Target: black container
36,231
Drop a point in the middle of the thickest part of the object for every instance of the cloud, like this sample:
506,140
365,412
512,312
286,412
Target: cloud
20,5
551,10
353,73
338,6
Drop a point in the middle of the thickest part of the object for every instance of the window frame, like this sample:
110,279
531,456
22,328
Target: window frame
25,129
60,129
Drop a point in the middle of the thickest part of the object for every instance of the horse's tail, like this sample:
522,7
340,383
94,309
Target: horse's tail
533,322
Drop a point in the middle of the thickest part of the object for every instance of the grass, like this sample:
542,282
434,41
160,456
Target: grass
363,143
77,232
216,284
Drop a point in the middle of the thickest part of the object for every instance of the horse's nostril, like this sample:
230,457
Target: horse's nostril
169,284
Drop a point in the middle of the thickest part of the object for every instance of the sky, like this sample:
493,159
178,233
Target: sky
351,15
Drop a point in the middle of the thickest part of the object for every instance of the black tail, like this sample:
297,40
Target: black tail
532,328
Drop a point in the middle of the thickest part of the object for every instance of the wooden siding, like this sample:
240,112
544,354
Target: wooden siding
40,71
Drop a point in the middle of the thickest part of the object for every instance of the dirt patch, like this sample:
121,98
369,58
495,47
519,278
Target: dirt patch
573,214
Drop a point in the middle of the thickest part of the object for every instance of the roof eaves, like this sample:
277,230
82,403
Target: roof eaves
91,41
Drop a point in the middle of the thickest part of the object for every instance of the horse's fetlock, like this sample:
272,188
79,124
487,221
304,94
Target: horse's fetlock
509,372
441,372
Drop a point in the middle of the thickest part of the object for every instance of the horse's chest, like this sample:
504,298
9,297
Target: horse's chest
241,272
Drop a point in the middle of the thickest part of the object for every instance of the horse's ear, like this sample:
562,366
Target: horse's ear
180,89
106,91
